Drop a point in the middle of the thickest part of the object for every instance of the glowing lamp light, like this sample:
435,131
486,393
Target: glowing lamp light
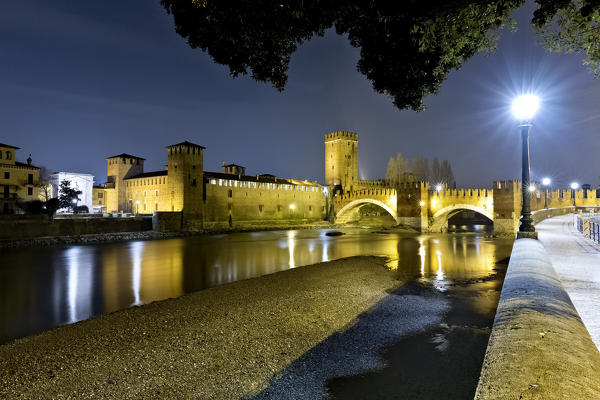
546,181
531,188
74,201
574,185
438,187
525,106
421,203
292,206
137,202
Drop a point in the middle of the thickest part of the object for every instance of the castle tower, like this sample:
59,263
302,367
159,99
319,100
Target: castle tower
118,168
341,160
185,182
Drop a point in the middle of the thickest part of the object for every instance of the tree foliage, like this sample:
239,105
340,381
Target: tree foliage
68,196
407,48
44,187
398,170
571,27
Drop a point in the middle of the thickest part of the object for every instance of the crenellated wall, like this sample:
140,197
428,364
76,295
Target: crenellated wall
428,210
236,202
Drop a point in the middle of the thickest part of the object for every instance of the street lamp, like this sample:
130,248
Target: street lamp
574,187
524,108
439,187
546,183
137,206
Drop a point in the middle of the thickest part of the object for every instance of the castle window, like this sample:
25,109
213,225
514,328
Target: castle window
8,155
309,208
30,179
0,155
220,182
100,195
99,202
278,208
155,206
229,206
194,182
156,192
229,193
193,167
29,191
6,175
260,207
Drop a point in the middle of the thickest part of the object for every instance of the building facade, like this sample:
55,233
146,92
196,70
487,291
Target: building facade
206,199
18,181
81,182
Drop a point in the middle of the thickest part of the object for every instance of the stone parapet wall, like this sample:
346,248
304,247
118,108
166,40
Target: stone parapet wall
26,228
167,221
539,348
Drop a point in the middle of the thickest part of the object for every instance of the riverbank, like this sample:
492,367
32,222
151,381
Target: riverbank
47,241
224,342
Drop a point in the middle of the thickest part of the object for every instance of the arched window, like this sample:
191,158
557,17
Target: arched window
8,155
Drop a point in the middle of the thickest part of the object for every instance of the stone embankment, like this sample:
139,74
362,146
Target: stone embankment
539,347
145,235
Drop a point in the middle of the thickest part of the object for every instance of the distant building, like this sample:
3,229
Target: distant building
233,169
18,181
83,182
98,199
206,199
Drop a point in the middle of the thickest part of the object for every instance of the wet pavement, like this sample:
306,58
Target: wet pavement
576,260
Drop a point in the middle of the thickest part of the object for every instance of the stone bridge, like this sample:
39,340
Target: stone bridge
415,204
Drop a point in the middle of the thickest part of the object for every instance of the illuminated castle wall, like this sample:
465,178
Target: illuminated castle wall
206,199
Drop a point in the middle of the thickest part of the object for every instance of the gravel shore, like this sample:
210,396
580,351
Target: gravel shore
225,342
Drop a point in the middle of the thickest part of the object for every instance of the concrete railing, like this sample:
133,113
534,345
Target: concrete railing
539,347
545,213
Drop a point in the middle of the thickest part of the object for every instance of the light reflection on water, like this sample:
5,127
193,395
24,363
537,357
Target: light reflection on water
47,287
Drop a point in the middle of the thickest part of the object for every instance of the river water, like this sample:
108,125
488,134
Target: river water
46,287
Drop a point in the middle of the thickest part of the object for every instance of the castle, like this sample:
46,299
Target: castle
206,200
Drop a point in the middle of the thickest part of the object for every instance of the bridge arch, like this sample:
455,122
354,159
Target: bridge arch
346,212
440,217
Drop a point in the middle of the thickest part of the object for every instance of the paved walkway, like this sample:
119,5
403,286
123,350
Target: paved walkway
577,262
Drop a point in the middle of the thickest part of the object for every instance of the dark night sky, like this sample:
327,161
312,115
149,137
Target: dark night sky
80,81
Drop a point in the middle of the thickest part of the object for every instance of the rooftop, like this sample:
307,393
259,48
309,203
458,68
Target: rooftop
20,164
148,175
9,146
264,178
186,143
125,155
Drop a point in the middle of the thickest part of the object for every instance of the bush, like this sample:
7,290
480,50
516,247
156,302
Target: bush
82,210
52,206
33,207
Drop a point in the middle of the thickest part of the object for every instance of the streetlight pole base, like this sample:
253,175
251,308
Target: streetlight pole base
527,235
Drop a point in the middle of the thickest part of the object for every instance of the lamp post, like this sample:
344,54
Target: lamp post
574,187
74,201
524,108
546,183
137,206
